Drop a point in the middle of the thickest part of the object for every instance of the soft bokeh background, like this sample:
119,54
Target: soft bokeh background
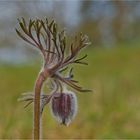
113,109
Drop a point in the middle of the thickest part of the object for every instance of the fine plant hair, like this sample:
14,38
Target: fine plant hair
57,58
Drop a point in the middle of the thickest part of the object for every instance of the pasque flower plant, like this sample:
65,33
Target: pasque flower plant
57,57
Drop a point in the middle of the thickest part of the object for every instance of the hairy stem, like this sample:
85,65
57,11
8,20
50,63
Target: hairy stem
38,86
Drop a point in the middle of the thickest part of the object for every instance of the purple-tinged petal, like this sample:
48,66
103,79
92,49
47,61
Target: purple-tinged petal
64,107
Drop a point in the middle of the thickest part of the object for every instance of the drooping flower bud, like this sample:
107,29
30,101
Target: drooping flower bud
64,107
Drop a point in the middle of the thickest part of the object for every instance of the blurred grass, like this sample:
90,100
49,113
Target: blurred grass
112,111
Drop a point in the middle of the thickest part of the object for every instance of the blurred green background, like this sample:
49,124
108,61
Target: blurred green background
113,73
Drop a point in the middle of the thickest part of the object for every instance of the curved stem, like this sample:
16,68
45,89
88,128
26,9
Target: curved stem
38,86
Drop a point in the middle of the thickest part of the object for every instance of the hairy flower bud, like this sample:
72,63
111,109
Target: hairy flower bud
64,107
